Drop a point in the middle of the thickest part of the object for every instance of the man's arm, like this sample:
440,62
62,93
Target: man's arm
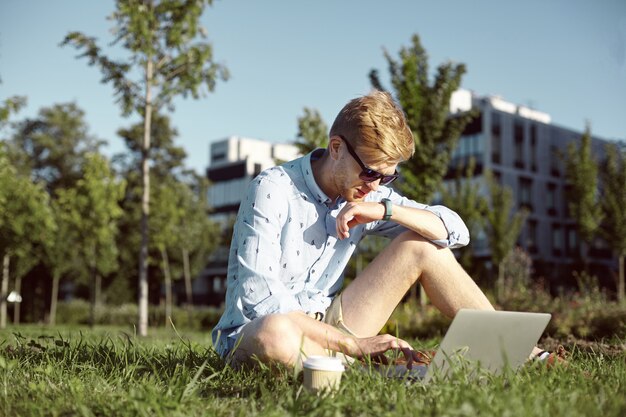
423,222
329,337
438,224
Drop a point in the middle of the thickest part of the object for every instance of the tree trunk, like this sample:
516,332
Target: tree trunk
4,291
92,294
16,305
188,288
168,286
187,274
98,297
145,205
56,277
621,285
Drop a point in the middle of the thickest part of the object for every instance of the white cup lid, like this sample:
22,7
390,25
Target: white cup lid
324,363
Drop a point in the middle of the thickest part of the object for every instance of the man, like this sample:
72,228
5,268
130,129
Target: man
300,223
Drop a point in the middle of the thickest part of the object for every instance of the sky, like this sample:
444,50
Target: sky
563,57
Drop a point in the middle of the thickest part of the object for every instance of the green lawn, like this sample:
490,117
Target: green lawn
108,371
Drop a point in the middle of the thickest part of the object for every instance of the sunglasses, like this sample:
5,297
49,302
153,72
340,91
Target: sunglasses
368,174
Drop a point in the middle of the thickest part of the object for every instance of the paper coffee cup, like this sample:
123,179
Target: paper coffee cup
322,373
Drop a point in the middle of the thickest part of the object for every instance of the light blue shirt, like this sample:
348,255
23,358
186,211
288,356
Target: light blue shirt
285,254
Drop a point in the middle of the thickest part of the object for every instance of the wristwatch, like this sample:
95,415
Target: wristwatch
387,203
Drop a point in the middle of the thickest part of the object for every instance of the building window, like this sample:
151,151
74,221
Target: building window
572,242
533,147
567,191
496,124
551,199
554,161
519,145
496,138
525,186
217,285
479,240
218,156
257,170
469,146
557,240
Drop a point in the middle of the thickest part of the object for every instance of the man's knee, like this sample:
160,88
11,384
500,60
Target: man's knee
417,244
274,337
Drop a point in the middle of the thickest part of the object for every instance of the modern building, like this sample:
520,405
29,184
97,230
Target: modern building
234,162
523,150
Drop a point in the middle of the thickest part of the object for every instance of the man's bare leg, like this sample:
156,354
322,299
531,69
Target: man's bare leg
368,302
274,338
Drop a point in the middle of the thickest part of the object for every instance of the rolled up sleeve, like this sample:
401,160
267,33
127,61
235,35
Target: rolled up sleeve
458,233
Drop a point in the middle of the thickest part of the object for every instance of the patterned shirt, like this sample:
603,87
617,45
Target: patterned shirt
285,254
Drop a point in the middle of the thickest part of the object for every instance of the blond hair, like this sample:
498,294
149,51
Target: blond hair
377,127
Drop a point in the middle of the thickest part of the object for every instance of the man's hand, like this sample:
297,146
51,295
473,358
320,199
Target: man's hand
376,346
355,213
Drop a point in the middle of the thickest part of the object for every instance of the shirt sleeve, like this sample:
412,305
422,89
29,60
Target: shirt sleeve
458,234
258,233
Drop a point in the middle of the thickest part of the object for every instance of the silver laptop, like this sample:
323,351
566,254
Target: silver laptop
482,341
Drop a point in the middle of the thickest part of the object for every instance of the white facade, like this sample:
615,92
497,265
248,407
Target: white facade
523,150
234,162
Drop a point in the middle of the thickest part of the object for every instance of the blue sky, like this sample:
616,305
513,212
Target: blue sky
563,57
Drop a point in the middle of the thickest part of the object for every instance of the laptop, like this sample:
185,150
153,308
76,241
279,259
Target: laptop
481,341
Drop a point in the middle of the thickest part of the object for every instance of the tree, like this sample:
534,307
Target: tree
581,171
167,167
9,106
464,196
613,204
160,37
182,233
52,147
166,211
182,228
167,159
26,257
91,209
426,106
503,226
60,255
25,221
312,132
198,235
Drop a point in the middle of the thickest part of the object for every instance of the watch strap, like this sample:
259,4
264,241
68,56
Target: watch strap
388,205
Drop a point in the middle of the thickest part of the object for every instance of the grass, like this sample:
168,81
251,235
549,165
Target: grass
108,372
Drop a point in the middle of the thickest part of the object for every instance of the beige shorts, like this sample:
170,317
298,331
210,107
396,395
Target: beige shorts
334,316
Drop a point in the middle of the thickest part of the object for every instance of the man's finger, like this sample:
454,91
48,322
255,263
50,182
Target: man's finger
382,359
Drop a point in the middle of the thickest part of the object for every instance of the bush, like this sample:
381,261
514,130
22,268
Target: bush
79,312
587,313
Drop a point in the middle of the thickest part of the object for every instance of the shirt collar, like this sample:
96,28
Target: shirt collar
309,179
